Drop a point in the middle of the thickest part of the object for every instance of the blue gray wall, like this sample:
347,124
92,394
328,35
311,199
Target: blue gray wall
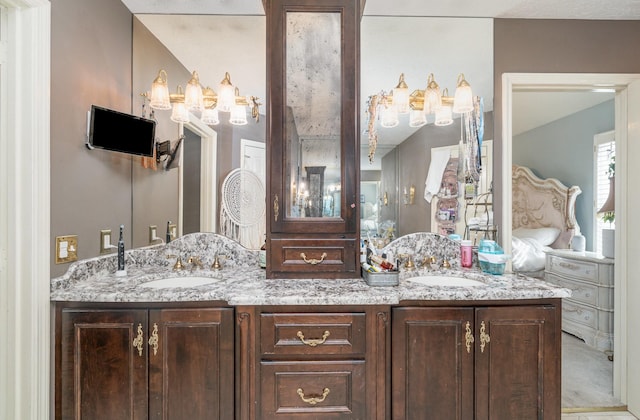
563,149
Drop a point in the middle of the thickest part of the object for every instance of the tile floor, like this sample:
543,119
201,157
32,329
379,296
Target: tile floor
610,415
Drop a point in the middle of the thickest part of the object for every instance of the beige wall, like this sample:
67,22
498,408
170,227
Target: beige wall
90,64
557,46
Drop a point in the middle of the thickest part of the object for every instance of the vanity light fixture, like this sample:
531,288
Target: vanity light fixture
201,100
421,103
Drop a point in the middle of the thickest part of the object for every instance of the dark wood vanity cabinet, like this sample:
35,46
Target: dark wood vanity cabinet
498,362
313,66
144,363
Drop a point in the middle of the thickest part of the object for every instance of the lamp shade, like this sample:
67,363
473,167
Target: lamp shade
159,97
443,116
226,94
238,115
193,99
210,116
432,96
401,96
609,204
417,118
463,99
389,116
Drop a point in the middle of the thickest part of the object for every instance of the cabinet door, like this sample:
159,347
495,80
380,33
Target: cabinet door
518,368
191,364
432,365
103,365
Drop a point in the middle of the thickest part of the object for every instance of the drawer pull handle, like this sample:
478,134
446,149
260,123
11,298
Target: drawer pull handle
313,342
484,337
137,342
468,337
313,400
313,261
153,340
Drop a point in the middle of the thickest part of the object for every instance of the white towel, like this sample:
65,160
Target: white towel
439,159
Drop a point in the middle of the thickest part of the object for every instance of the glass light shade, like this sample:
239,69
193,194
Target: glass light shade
432,96
443,116
417,118
463,99
180,114
226,94
193,99
159,97
210,116
389,116
401,96
238,115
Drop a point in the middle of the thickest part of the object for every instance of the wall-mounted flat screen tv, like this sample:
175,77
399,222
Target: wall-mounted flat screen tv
120,132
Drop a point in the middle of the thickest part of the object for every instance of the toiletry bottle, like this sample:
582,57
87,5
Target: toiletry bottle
466,253
168,237
121,270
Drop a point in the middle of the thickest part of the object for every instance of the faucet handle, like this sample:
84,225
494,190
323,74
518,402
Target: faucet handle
178,265
216,262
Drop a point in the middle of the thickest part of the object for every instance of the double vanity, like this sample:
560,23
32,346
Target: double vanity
229,343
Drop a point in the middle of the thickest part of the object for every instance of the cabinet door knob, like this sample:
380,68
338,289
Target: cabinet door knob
484,337
153,340
313,261
137,342
313,342
468,336
313,400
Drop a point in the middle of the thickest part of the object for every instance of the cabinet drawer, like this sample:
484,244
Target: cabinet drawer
580,291
313,333
580,314
579,269
322,256
303,390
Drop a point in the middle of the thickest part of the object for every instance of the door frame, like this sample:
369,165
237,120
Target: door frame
25,232
623,390
208,175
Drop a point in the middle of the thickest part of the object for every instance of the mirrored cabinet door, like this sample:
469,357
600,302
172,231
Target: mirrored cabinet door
312,136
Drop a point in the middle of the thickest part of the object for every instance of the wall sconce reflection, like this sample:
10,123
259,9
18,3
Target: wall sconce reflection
385,199
409,195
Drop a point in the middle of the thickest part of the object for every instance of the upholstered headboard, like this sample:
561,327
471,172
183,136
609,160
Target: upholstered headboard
541,203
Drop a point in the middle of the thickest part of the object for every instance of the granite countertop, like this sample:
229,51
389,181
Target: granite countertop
242,282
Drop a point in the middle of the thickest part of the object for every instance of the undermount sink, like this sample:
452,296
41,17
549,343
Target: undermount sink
445,281
172,282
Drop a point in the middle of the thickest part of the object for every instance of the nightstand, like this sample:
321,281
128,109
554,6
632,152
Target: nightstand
588,313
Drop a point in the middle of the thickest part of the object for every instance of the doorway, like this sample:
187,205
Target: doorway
627,105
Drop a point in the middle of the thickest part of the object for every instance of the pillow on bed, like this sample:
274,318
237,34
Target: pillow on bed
546,236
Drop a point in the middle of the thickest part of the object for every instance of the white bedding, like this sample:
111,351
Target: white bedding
527,254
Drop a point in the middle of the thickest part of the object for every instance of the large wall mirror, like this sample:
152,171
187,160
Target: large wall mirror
390,45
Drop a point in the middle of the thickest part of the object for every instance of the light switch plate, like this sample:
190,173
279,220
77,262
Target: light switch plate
105,241
153,233
66,249
173,231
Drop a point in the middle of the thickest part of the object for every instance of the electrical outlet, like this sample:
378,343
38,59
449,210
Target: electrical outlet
173,231
153,233
66,249
105,241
